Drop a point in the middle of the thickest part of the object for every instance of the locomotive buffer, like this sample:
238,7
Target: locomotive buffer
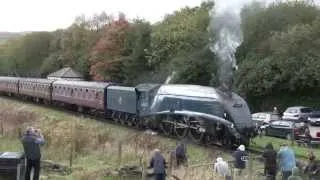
12,166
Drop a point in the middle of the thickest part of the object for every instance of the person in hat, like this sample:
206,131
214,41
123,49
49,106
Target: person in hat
240,157
31,141
158,163
221,168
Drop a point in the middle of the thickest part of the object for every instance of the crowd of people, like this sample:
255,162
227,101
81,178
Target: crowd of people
283,161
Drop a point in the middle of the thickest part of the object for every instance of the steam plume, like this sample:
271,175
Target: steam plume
170,77
225,25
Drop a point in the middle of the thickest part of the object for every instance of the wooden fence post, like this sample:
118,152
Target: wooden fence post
250,165
119,153
2,129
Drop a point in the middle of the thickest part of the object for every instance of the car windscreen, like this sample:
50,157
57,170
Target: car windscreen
306,110
299,125
275,117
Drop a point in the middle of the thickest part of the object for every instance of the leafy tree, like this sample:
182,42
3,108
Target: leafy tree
26,54
137,42
280,54
106,56
177,35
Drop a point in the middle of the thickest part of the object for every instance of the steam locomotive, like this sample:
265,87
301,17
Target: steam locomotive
205,114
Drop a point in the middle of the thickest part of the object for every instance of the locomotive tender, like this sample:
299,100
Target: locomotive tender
204,113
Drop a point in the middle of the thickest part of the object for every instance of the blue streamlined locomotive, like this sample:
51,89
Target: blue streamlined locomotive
204,113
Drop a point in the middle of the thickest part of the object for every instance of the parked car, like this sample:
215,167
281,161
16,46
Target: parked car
314,118
312,139
297,113
262,118
283,129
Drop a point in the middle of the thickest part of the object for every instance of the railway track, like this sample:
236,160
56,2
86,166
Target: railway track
100,117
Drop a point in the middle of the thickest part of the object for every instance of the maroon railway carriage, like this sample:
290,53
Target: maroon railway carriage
39,89
9,85
82,94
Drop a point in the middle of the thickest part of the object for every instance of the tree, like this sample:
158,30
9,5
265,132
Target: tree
137,42
26,54
177,36
280,56
105,57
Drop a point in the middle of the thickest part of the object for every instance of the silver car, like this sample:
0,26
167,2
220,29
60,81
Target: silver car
314,118
297,113
262,118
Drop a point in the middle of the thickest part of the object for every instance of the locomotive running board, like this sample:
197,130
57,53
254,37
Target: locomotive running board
193,114
228,124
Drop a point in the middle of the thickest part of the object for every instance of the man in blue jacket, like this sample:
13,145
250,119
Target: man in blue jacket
287,161
31,141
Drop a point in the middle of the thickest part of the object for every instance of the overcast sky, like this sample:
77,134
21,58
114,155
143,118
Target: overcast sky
48,15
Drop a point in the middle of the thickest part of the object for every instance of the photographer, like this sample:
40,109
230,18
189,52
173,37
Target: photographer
32,140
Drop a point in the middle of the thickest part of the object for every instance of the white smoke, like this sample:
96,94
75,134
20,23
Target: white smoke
170,77
225,26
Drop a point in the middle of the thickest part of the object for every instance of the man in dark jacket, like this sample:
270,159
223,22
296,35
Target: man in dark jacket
240,156
31,141
158,163
181,156
270,162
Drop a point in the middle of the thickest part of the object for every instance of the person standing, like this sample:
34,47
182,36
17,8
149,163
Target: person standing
240,156
275,111
181,156
270,162
287,161
221,167
307,134
31,141
312,169
158,163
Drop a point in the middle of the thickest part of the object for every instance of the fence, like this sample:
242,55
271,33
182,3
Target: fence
204,171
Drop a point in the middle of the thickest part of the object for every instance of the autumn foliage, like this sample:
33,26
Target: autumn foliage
105,57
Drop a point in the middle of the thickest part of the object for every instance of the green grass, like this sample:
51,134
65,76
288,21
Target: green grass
10,145
300,151
93,156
